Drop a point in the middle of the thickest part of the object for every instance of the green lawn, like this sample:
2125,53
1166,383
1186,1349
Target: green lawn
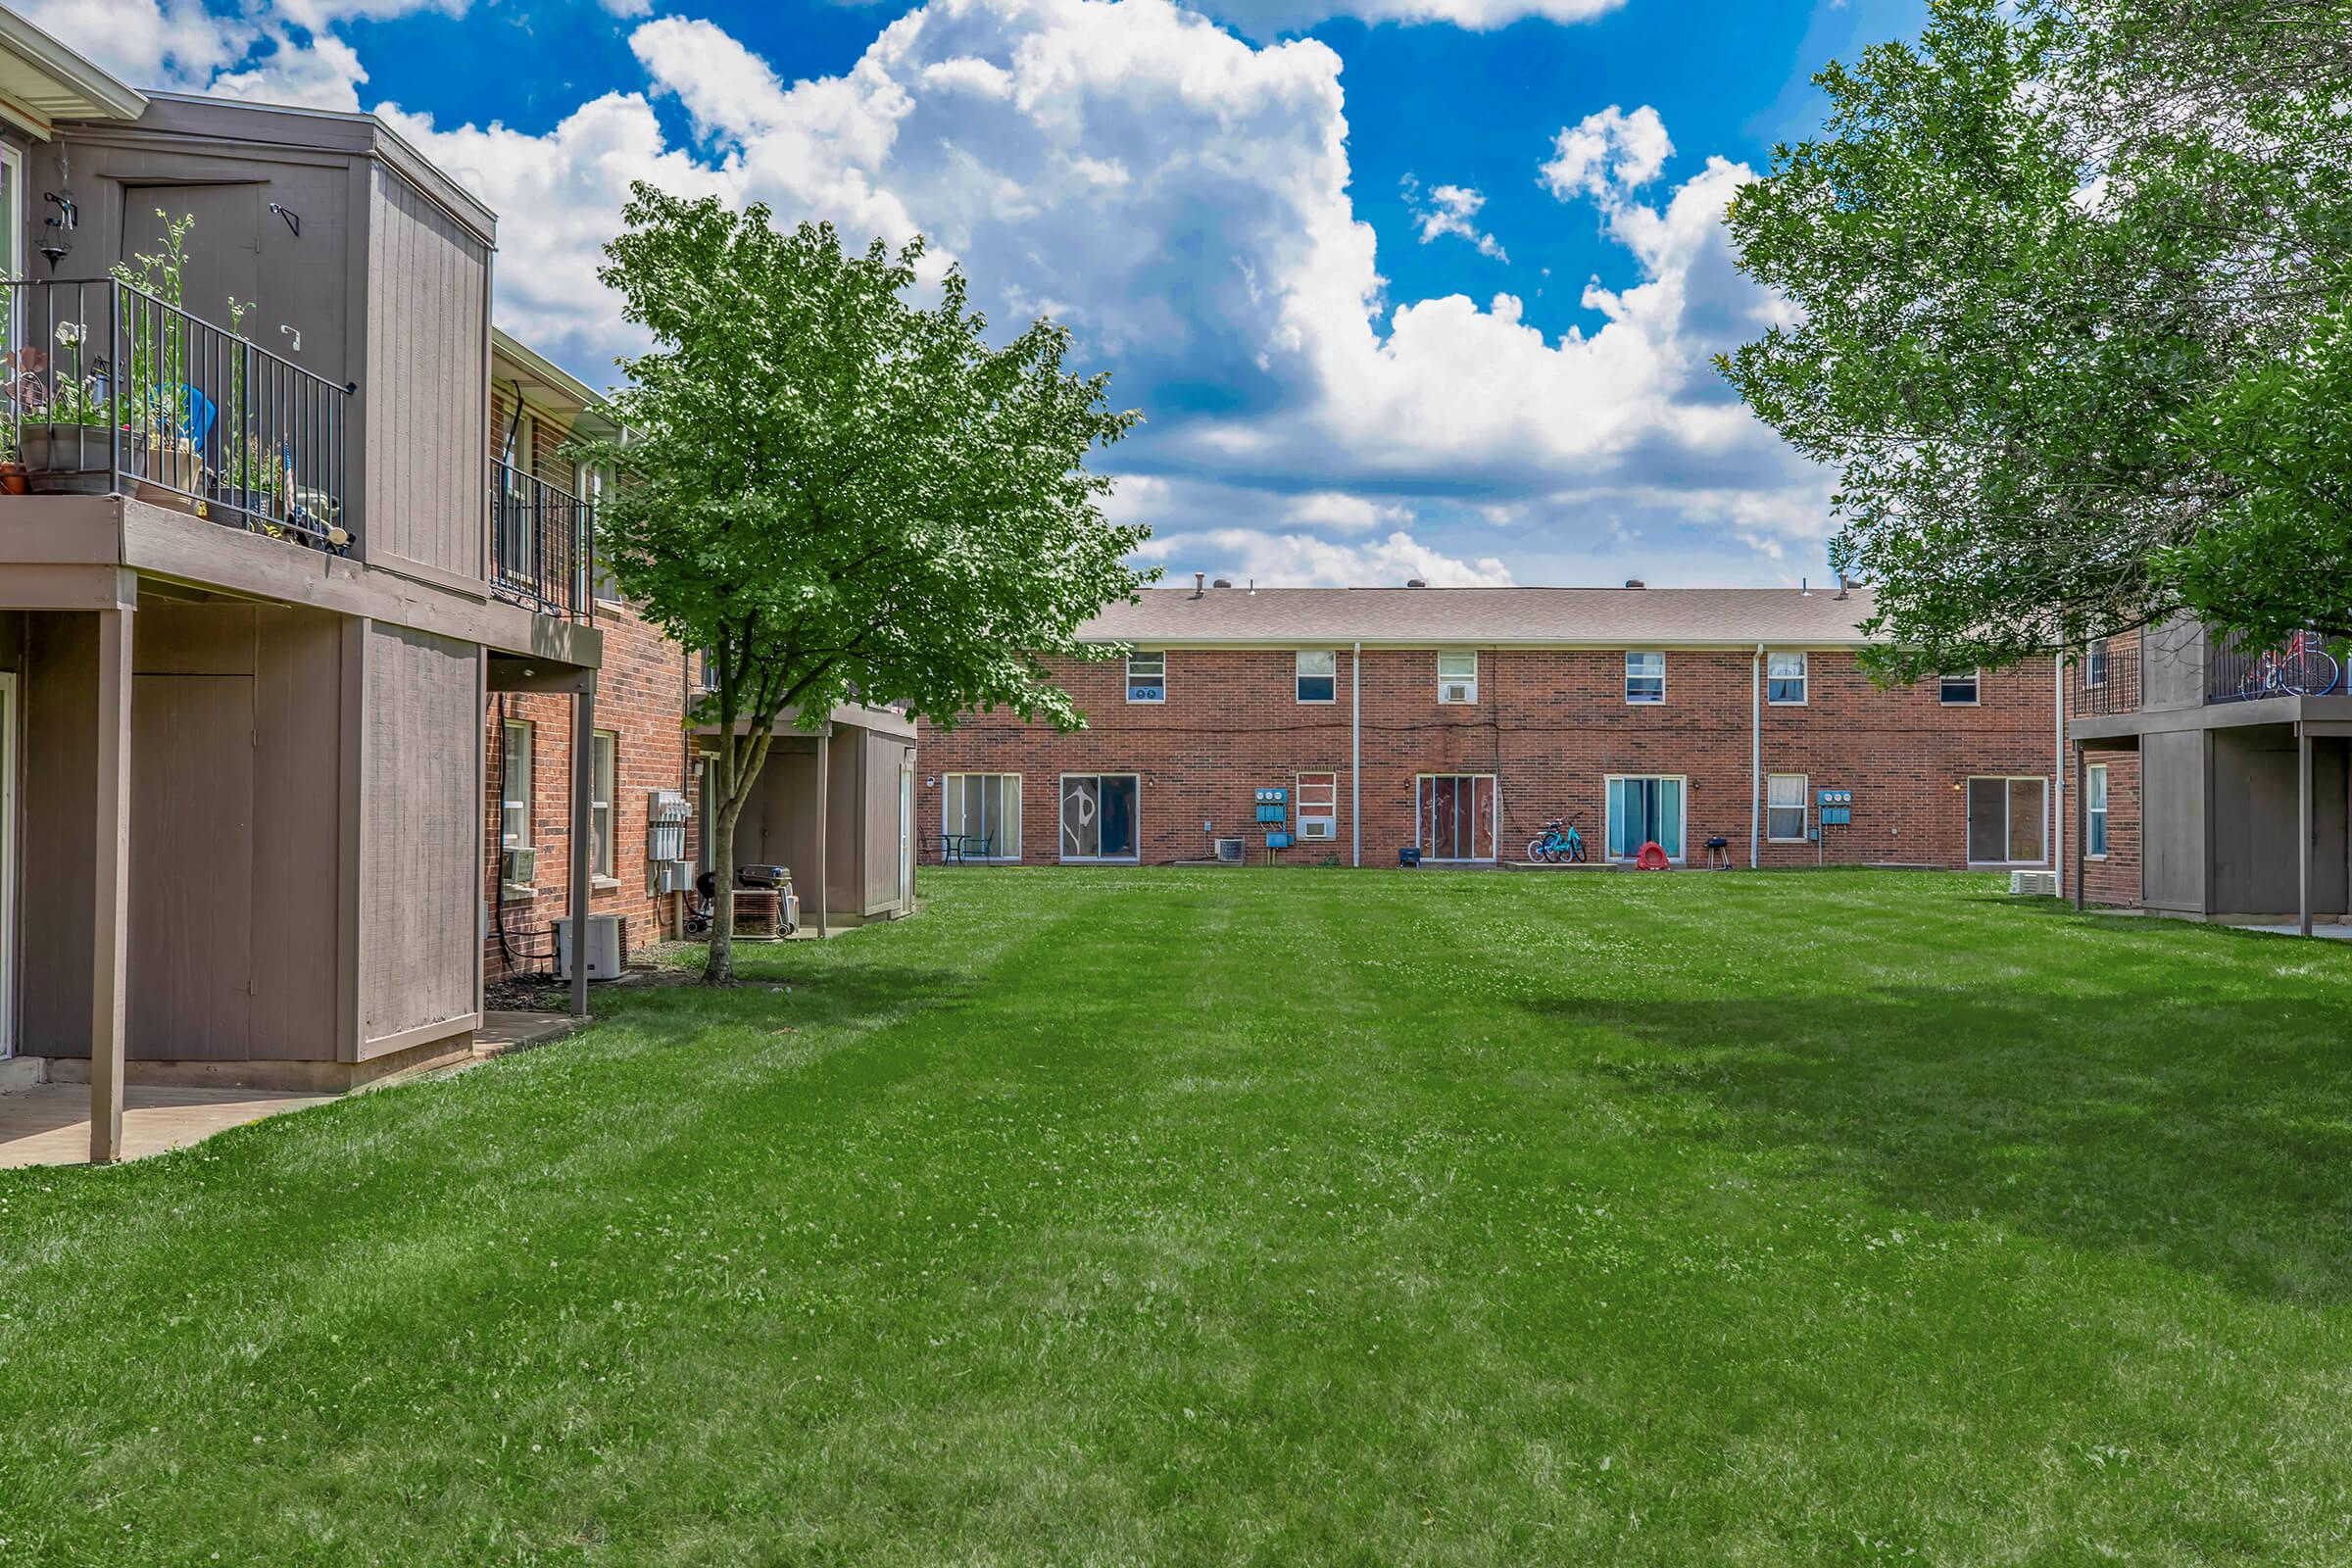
1282,1217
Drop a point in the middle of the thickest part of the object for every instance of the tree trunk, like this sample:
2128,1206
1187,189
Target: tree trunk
720,970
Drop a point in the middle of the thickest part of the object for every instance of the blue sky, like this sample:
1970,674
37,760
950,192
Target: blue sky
1403,287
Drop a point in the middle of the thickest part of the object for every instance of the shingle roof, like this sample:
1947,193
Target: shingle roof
1612,617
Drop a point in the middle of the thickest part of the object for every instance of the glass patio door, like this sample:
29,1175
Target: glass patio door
1456,813
1098,816
1644,810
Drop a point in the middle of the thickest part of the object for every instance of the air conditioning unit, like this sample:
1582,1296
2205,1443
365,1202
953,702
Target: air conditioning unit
1455,691
1230,850
519,867
1318,827
603,947
2034,884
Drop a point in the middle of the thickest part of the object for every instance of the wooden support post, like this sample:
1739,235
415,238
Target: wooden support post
824,828
583,785
109,997
2081,818
2303,825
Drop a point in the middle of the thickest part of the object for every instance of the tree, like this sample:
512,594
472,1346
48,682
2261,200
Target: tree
838,494
2034,252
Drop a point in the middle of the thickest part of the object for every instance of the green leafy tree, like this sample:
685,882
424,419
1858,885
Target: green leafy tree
2034,254
840,494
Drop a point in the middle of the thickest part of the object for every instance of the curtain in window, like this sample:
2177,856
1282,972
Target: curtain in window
1784,806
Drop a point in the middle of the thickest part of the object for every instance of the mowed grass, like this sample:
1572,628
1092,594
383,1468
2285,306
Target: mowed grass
1283,1217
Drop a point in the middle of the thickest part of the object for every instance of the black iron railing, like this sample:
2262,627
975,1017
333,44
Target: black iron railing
109,390
2238,670
2104,679
542,545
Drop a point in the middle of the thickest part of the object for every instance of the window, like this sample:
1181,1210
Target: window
1957,690
1318,795
2006,821
985,810
11,220
1784,679
1645,677
516,855
2094,810
1457,815
2095,665
1785,807
1098,815
591,491
1146,677
604,763
1318,675
1644,809
1457,678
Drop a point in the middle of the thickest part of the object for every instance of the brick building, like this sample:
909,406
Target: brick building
1457,722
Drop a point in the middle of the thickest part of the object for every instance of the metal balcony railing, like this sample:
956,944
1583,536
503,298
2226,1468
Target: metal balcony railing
108,390
2238,670
2104,680
542,545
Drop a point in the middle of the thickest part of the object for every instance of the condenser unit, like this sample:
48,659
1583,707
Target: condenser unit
2034,884
603,947
1318,827
1230,850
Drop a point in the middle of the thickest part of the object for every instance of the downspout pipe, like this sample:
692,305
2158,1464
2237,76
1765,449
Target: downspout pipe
1755,758
1355,753
2058,772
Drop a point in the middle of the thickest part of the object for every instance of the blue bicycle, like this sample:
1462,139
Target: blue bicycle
1559,845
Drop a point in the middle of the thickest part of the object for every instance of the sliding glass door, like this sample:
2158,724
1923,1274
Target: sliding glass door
981,812
2007,821
1645,809
1099,815
1456,813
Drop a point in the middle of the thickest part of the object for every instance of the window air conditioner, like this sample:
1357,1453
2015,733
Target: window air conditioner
1454,690
1318,827
2034,884
519,867
1230,851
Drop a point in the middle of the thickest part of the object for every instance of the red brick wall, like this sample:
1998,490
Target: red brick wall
2113,879
640,697
1550,724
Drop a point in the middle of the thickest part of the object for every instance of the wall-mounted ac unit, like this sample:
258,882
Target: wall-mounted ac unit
519,866
1318,827
1454,691
1230,850
2034,884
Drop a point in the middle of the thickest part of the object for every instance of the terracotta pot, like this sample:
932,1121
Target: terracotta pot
13,480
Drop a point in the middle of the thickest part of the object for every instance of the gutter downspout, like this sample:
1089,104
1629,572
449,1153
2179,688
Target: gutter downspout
1755,757
2058,772
1355,753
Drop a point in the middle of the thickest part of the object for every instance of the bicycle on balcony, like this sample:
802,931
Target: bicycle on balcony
2303,668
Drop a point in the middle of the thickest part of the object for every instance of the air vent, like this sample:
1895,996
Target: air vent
1318,827
1454,691
1230,851
2034,884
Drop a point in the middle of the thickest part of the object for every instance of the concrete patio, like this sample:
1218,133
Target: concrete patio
49,1124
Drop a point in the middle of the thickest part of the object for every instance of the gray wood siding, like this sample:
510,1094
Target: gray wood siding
192,867
2173,836
417,897
429,349
59,828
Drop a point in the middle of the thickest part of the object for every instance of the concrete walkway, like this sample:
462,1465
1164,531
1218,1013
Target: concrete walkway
2333,932
49,1124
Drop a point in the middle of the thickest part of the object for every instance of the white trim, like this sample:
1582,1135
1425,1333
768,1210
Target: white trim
1332,675
2049,796
1494,819
1976,678
1804,681
1682,780
1626,688
1161,655
12,265
1804,806
1445,680
1062,793
2106,784
1013,816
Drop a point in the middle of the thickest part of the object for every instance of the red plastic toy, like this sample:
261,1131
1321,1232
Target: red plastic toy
1652,857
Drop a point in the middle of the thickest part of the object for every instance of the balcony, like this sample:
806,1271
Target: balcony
113,391
2238,671
542,547
2104,680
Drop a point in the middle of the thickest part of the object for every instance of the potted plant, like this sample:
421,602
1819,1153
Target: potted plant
67,417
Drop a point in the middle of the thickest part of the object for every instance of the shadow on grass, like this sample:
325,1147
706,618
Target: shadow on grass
2210,1134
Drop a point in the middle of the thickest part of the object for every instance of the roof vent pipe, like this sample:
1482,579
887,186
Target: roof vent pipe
1634,582
1805,587
1415,583
1222,582
1198,577
1842,585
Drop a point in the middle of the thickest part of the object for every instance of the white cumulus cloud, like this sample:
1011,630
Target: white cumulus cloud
1608,154
1450,210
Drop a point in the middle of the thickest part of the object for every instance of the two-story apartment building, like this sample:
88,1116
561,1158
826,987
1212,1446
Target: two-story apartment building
2213,779
1457,722
249,610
